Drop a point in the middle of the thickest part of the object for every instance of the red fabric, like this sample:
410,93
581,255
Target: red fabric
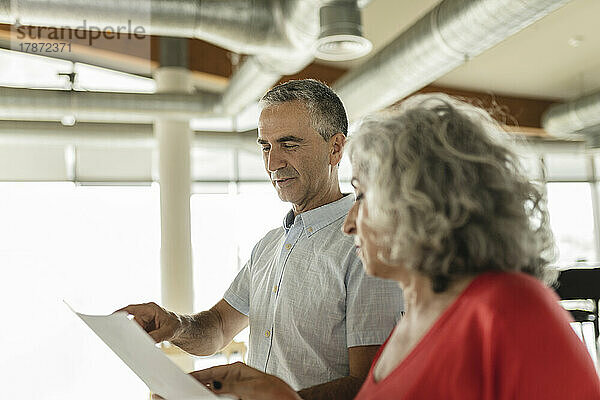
505,337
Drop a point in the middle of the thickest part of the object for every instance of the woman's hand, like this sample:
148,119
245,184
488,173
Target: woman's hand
245,382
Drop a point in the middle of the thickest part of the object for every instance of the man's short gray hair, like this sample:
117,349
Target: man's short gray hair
326,111
448,194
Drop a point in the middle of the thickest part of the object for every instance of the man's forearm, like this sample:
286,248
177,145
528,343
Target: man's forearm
340,389
200,334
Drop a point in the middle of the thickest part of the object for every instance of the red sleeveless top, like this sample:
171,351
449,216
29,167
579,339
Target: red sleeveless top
505,337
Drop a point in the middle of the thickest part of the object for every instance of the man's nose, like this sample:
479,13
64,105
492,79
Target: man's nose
349,226
275,161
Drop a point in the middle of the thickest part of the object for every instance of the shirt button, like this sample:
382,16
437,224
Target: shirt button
310,230
288,246
267,334
275,289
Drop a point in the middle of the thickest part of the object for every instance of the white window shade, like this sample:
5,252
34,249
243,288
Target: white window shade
566,167
32,163
212,164
251,166
108,164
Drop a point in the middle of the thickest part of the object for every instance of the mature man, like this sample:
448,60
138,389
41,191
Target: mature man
316,320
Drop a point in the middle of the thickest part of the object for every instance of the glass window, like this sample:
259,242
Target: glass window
95,247
32,70
225,228
90,77
571,217
345,169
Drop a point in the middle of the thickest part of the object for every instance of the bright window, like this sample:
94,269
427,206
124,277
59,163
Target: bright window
571,217
96,247
225,228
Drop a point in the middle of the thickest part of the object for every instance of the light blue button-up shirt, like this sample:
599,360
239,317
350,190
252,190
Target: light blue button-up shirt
308,299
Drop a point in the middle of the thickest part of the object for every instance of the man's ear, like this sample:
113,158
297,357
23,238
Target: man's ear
336,148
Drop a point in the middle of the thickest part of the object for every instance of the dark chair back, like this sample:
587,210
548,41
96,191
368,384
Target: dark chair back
581,284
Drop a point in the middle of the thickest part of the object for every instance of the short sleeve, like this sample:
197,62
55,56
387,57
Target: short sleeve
238,293
373,306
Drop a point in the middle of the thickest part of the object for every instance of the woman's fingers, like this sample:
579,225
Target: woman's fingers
242,381
207,376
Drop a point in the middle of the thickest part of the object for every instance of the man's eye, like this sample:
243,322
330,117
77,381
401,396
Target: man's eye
265,149
289,146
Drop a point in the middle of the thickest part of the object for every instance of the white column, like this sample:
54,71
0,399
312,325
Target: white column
174,170
174,139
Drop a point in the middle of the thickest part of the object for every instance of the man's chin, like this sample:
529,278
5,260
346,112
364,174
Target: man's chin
284,195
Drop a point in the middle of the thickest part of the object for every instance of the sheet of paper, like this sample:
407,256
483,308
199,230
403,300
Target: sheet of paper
137,349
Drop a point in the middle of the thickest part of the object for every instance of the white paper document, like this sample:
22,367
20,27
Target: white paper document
137,349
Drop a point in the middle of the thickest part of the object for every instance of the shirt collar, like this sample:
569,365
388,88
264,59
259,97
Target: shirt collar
318,218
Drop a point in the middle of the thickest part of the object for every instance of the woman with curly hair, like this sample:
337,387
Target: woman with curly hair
443,208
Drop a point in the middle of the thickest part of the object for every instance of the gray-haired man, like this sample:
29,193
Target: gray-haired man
316,320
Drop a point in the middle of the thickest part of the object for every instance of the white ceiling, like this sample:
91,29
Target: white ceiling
537,62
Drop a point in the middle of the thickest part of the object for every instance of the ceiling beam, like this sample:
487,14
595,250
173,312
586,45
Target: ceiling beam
509,110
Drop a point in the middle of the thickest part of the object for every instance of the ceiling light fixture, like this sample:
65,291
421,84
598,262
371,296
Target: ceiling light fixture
341,33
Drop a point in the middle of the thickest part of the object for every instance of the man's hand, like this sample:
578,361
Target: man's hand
245,382
160,324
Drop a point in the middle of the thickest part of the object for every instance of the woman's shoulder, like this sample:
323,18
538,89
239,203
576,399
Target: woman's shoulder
512,297
510,287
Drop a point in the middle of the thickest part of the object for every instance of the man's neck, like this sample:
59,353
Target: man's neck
329,197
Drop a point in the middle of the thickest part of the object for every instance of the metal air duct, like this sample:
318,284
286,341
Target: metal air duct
117,135
37,104
577,115
443,39
300,24
245,26
279,34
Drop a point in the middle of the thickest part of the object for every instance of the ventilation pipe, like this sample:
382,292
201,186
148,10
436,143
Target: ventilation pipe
113,135
446,37
37,104
80,134
575,116
237,25
301,24
280,35
243,26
